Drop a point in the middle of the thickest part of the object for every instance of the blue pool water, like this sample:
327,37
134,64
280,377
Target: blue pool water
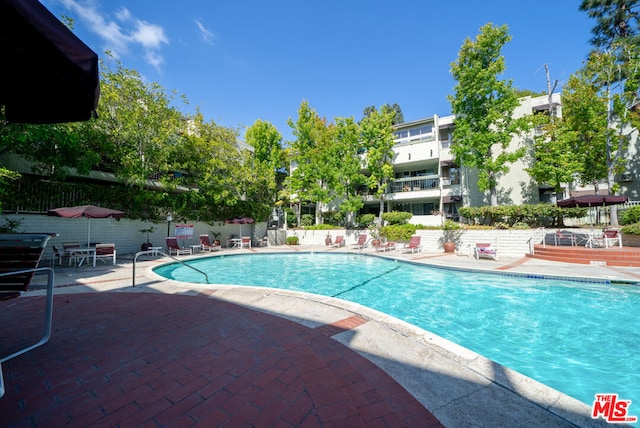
580,338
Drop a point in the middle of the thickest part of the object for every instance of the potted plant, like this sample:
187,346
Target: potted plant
216,237
327,239
375,237
451,234
148,244
292,240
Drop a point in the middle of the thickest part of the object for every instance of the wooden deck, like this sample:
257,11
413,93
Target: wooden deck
613,256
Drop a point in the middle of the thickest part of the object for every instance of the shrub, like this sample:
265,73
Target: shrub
396,217
630,216
306,220
631,229
320,227
399,232
365,220
292,240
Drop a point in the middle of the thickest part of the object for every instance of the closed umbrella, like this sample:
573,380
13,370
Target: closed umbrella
88,211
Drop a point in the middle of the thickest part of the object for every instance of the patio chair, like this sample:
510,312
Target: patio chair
484,250
206,245
361,242
414,245
174,247
339,242
67,248
20,254
610,237
59,256
105,252
245,242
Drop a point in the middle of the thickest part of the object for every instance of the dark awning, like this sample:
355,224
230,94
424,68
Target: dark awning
48,75
447,163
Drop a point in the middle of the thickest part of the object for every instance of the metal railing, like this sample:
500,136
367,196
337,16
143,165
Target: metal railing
158,252
533,236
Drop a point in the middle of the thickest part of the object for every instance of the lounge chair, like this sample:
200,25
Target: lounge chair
105,252
386,246
206,245
414,245
339,242
484,249
20,254
174,247
362,241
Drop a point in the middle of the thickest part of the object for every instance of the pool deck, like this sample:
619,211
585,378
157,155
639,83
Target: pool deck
166,353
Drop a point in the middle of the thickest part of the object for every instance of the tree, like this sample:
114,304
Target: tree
600,103
483,107
376,133
311,180
616,20
138,123
613,71
398,117
348,166
554,159
267,144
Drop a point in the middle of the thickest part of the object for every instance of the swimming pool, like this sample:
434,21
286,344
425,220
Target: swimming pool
580,338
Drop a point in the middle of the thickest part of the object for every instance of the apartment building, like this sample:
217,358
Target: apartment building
430,185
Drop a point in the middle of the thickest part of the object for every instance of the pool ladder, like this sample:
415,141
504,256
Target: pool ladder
155,252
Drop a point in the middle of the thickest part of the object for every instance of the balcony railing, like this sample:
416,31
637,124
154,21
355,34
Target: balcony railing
414,185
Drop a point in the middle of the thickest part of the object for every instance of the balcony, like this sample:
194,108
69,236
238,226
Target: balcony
414,185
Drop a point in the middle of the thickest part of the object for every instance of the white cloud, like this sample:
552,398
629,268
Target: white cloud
124,34
206,35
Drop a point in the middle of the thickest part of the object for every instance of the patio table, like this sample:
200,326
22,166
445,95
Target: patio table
83,253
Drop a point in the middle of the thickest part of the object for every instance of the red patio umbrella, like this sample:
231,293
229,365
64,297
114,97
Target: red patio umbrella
88,211
588,201
240,221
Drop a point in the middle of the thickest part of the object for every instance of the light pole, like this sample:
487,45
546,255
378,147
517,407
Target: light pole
169,218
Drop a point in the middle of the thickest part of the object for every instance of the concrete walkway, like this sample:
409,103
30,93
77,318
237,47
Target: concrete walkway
177,354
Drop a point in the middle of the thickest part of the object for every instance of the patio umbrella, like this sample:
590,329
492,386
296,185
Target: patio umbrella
48,75
240,221
88,211
588,201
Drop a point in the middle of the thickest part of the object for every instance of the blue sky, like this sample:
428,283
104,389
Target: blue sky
240,61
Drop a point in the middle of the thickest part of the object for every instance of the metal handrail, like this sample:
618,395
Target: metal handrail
533,235
156,252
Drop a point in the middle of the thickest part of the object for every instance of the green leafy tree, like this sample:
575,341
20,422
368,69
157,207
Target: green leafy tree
376,133
484,106
348,167
553,156
616,20
267,144
138,123
312,179
398,116
613,68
